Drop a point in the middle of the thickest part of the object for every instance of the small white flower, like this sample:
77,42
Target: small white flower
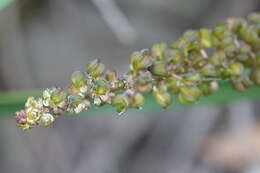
97,101
80,108
46,119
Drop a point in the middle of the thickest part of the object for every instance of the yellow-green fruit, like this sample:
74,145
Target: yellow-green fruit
159,69
137,100
121,103
239,86
140,60
208,88
235,69
255,76
163,98
58,96
158,51
172,84
95,68
189,95
78,79
205,38
101,87
111,76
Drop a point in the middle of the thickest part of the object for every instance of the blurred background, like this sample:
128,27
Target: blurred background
43,41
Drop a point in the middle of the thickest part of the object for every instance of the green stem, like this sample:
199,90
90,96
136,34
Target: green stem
5,3
14,101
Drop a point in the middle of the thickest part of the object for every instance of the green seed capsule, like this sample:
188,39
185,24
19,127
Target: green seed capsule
95,68
158,51
208,70
173,84
208,88
137,100
205,38
175,56
121,103
235,69
162,97
140,60
255,76
251,35
120,84
218,58
111,76
159,69
58,96
238,85
192,77
220,30
78,79
254,18
101,87
189,95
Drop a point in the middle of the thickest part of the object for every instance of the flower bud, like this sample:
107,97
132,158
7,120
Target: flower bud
162,97
20,117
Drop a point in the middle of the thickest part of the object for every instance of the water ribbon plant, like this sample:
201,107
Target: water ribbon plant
191,67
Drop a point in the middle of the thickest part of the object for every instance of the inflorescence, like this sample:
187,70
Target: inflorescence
191,67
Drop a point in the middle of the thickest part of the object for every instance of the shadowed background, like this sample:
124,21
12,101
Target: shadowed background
43,42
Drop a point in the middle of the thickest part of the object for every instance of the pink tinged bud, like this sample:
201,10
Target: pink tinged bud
20,117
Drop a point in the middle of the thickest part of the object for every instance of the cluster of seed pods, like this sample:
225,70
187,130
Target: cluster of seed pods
191,67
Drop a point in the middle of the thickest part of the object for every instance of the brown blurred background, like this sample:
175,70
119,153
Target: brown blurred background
44,41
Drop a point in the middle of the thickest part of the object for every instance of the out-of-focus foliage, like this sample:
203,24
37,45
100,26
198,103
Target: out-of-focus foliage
4,3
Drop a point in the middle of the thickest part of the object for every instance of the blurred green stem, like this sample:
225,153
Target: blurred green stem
5,3
11,102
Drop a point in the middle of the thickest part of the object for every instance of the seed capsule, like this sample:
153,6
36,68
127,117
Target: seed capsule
95,68
173,84
78,79
100,87
255,76
235,69
111,76
162,97
189,95
208,88
140,60
159,69
158,51
121,103
254,18
137,100
205,38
